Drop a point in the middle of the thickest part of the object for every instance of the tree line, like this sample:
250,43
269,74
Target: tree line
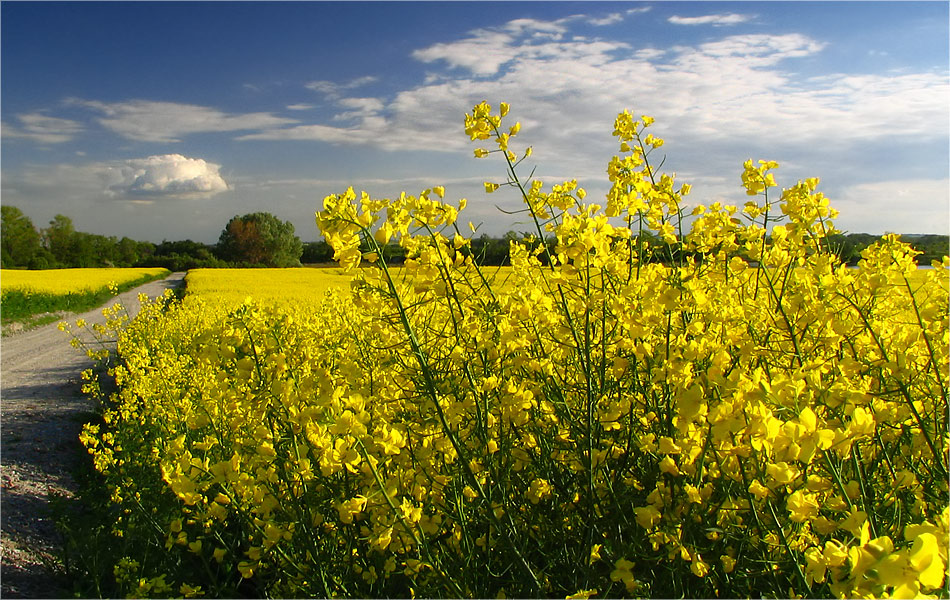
262,240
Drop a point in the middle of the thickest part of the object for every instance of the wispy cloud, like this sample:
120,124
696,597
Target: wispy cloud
607,20
335,90
363,114
42,128
715,20
737,84
717,102
314,133
149,121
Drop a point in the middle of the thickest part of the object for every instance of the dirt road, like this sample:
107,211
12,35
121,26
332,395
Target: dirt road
41,413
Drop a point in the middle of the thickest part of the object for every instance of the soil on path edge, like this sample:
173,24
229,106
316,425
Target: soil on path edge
41,413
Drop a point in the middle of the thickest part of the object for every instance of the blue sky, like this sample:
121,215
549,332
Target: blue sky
163,120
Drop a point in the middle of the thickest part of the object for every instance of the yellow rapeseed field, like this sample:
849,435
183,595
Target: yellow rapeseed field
70,281
234,286
285,286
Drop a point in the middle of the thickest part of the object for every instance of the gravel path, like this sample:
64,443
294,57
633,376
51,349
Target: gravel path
41,413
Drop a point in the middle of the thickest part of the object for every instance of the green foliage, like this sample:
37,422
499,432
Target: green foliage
183,255
20,241
260,239
848,247
316,253
60,246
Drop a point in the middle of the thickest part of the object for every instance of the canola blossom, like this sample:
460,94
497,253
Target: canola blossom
745,417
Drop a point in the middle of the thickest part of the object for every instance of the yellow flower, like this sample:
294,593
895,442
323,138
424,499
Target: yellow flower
538,490
623,573
350,508
782,473
647,516
758,490
668,465
490,187
728,563
802,506
925,559
698,567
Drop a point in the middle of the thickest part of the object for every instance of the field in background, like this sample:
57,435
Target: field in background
24,294
71,281
233,286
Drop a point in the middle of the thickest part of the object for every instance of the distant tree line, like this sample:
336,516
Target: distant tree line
256,239
262,240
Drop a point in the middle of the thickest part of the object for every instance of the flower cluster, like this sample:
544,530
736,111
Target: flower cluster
731,412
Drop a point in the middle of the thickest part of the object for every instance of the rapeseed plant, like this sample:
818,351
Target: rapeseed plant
746,416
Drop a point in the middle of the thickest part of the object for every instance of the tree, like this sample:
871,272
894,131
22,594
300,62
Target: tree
260,239
317,252
59,239
181,256
19,240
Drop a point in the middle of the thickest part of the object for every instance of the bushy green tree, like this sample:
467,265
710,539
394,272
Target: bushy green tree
316,252
260,239
59,239
19,240
182,255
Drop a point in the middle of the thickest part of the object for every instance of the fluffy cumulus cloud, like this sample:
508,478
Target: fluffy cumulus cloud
164,175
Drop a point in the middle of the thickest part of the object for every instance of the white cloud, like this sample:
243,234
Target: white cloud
300,106
535,27
729,90
898,206
369,124
717,103
483,54
608,20
335,90
360,107
313,133
638,11
43,129
148,121
715,20
165,175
